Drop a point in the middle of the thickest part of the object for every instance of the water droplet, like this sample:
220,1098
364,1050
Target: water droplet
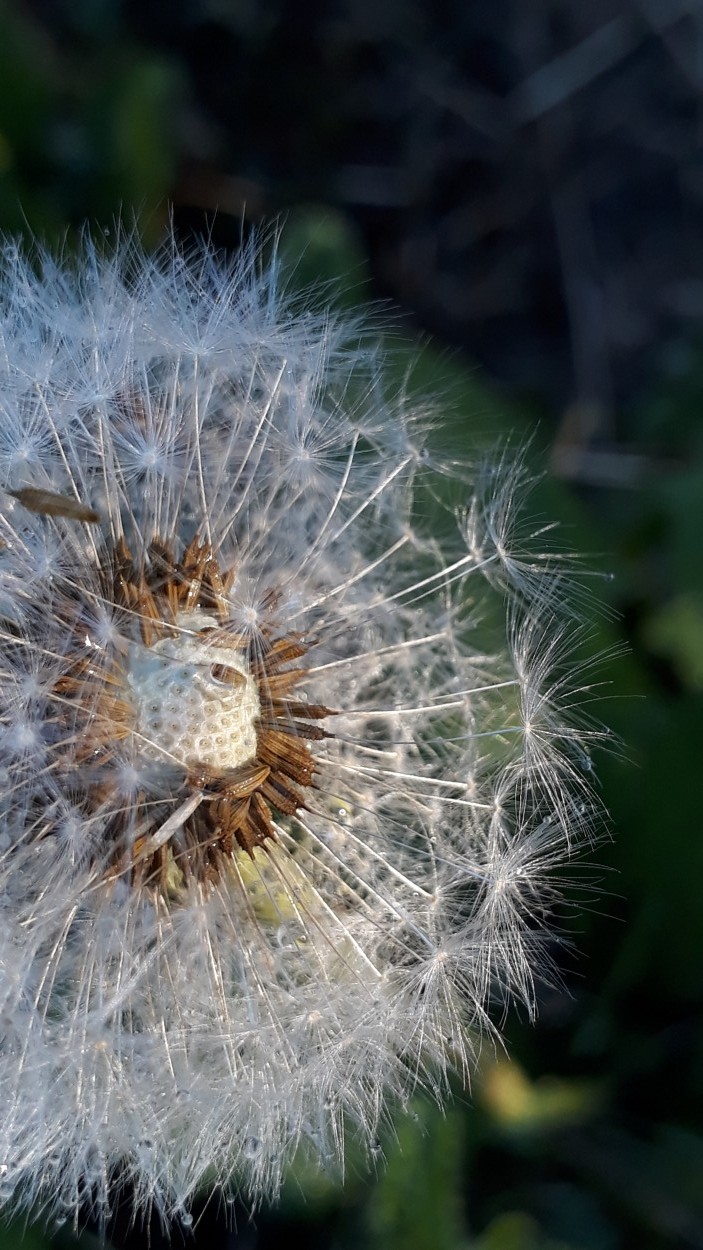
187,1219
252,1147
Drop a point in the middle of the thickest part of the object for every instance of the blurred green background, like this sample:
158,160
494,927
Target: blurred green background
584,335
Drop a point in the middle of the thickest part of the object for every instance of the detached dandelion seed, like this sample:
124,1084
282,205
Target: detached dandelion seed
277,827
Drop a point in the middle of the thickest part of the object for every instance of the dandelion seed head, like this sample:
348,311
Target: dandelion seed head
277,826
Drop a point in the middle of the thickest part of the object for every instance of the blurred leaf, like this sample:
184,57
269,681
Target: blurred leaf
25,88
518,1104
682,497
676,631
319,249
516,1231
659,1183
144,151
655,811
417,1200
17,1235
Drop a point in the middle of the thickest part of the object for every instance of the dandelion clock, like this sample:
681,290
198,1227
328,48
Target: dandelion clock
287,764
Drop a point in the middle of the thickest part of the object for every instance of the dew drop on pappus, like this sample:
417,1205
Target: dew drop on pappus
252,1147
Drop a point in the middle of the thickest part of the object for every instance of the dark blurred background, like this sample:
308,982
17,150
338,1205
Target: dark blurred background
521,183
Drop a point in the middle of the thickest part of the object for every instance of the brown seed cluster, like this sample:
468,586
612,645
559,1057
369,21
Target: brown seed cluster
224,810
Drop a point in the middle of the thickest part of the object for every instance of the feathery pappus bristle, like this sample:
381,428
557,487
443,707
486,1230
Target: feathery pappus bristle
281,814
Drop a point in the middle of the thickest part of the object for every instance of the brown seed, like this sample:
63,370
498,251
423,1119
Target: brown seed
48,503
228,676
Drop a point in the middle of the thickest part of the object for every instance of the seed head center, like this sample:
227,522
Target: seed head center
194,702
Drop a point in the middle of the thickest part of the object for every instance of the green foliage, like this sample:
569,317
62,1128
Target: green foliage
84,135
417,1199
